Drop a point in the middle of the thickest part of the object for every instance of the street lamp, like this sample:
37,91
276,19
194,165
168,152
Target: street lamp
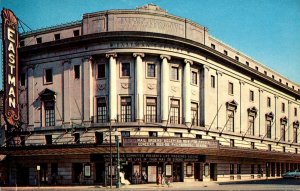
118,159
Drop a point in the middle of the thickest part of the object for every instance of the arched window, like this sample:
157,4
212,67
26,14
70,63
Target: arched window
47,98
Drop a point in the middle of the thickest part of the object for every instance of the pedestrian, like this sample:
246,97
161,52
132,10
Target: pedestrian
163,180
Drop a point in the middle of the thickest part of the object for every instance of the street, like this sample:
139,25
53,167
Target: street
271,184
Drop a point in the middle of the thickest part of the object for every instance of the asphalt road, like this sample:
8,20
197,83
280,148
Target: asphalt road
272,184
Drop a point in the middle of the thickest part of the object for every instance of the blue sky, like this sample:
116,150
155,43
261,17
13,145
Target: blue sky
266,30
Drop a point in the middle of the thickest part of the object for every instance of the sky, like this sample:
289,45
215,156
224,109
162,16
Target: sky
266,30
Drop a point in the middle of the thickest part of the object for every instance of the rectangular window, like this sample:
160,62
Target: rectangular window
295,134
230,88
256,68
283,149
296,150
101,71
231,168
273,76
75,33
194,78
295,112
77,138
269,147
283,107
22,80
251,95
212,81
125,69
174,73
151,70
152,133
237,58
174,113
287,84
194,113
101,110
231,142
268,101
282,130
251,125
151,110
247,63
98,138
77,71
268,128
126,111
48,76
39,40
280,80
125,134
213,46
179,135
225,52
56,36
198,136
252,145
48,139
265,72
49,113
230,120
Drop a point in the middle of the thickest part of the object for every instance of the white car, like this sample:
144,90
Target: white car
294,174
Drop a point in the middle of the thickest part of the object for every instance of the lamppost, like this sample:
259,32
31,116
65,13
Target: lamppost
118,160
38,168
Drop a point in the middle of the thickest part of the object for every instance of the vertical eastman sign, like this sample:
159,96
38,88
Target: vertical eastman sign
10,67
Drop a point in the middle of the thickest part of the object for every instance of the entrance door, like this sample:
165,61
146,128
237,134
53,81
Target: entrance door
100,172
22,176
44,174
213,171
198,172
77,169
177,172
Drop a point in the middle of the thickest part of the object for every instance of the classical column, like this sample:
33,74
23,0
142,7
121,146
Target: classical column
87,89
139,76
112,87
187,91
164,88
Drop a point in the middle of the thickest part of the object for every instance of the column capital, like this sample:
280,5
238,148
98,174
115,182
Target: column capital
114,55
260,90
136,54
89,58
206,67
276,96
187,61
242,82
67,61
219,73
165,56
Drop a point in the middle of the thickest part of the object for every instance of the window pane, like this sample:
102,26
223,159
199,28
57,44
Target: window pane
101,71
49,113
101,110
174,73
125,69
151,70
48,76
126,109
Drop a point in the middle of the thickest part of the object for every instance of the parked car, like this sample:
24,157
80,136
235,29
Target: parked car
293,174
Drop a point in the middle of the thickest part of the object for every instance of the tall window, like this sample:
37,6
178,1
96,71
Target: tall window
125,69
49,113
230,120
48,76
282,131
151,70
174,73
268,101
151,109
295,112
283,107
251,125
194,113
174,113
231,142
77,138
212,81
295,133
251,95
230,88
194,78
101,110
126,109
101,71
268,128
76,71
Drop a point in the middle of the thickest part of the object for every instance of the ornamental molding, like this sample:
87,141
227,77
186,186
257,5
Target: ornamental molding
174,88
187,61
125,85
151,86
101,87
114,55
142,55
165,56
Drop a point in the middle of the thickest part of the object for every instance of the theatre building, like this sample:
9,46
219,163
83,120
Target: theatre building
175,99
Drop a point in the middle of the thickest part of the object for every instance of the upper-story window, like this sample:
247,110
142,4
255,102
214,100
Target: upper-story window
268,102
256,68
269,119
126,111
287,84
75,33
101,71
49,106
125,69
212,81
237,58
56,36
151,110
48,139
174,73
265,72
179,135
76,71
194,77
251,124
295,112
247,63
98,138
101,110
225,52
174,113
283,107
230,120
76,138
251,95
295,131
153,134
283,122
280,80
213,46
231,142
230,88
39,40
194,113
151,70
48,78
273,76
